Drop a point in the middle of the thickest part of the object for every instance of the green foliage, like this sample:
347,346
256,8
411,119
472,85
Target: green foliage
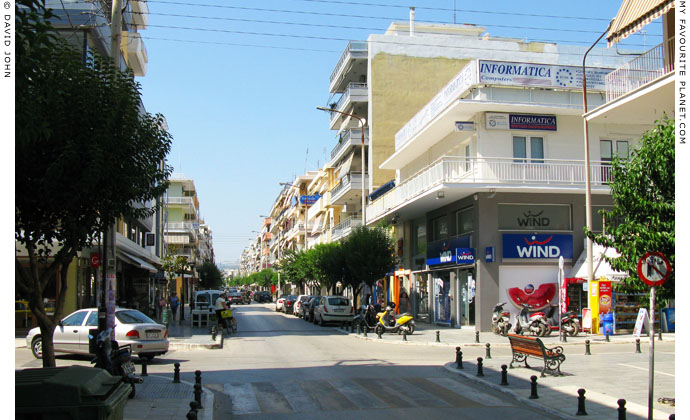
329,265
210,275
643,192
369,254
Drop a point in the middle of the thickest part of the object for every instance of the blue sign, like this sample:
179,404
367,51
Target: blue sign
489,254
464,255
443,252
537,246
532,122
309,199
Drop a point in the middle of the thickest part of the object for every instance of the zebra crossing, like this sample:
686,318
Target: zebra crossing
343,394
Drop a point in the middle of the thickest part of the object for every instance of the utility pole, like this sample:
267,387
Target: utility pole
106,311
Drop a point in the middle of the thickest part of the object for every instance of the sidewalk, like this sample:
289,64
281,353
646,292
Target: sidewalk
612,371
182,336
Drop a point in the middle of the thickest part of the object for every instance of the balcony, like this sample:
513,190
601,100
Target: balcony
355,93
497,173
348,140
320,206
134,51
642,70
350,187
342,229
351,65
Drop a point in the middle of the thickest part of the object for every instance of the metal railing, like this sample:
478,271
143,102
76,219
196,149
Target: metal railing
180,200
352,46
181,225
344,228
506,171
345,182
346,96
350,137
648,67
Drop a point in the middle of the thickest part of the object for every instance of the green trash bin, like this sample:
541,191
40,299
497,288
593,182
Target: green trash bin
69,393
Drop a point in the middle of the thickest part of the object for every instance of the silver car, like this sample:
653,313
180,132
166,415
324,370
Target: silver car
148,338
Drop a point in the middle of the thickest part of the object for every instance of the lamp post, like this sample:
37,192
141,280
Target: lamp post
362,121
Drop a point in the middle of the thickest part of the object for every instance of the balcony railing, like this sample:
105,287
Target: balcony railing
352,47
506,171
648,67
353,136
345,182
352,89
344,228
180,226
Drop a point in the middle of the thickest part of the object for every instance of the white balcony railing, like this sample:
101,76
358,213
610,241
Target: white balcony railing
355,92
350,137
352,47
349,181
181,226
344,228
648,67
180,200
506,171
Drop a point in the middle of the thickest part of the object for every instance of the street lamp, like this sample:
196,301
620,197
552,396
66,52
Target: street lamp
362,121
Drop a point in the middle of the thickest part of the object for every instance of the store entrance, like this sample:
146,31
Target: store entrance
442,298
467,284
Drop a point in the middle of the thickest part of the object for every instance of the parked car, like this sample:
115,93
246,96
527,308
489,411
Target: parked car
263,296
280,302
301,300
247,297
147,337
308,307
235,298
289,304
333,309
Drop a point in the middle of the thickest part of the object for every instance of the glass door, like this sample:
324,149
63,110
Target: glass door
468,288
442,297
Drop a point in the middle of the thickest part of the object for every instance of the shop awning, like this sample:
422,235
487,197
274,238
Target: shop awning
600,266
136,261
635,14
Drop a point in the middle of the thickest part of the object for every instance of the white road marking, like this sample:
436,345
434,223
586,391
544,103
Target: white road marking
243,398
298,399
656,372
469,392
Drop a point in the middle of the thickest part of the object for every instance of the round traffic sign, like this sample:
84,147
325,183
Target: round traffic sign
654,268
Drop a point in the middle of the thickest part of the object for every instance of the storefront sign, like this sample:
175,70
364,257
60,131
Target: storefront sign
489,254
497,121
464,126
532,122
537,246
586,319
534,217
464,255
642,320
95,260
443,252
540,75
605,297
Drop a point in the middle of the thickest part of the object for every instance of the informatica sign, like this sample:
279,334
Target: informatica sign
537,246
503,121
540,75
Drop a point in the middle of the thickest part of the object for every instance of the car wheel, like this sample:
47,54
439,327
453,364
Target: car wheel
147,357
37,347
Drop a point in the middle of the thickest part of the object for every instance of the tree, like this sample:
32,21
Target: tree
329,265
297,267
643,215
85,154
174,266
369,253
210,275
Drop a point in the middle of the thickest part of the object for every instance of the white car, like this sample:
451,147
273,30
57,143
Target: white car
301,300
280,303
148,338
333,309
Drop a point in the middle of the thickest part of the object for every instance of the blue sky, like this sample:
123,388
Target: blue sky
238,82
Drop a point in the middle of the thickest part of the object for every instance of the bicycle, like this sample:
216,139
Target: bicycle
227,313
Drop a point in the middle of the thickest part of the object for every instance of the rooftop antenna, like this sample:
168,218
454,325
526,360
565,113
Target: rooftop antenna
453,12
305,161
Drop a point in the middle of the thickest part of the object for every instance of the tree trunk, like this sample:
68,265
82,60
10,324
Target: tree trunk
47,330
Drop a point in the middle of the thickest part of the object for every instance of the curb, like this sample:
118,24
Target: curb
448,366
209,399
193,346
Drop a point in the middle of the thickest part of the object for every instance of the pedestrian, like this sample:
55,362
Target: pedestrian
161,304
174,303
404,302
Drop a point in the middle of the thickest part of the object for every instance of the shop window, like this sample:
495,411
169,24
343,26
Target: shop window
440,228
523,145
464,221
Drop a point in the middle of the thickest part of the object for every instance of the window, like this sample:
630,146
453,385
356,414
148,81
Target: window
464,220
75,320
133,317
440,228
535,146
609,148
468,165
421,240
92,320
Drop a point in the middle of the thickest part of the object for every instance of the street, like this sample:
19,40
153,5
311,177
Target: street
279,366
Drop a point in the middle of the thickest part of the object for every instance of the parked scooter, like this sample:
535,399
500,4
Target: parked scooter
366,317
115,360
534,323
569,322
389,322
500,321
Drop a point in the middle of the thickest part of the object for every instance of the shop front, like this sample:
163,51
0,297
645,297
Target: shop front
452,266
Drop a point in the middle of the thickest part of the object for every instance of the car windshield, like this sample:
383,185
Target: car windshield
291,297
338,301
133,317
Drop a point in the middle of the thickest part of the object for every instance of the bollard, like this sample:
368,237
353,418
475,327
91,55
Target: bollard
214,332
176,377
438,336
565,337
637,346
533,395
192,414
379,332
364,330
587,352
359,328
480,366
672,417
660,339
404,334
144,372
352,327
458,358
488,351
608,340
197,395
581,403
197,379
504,375
621,409
476,336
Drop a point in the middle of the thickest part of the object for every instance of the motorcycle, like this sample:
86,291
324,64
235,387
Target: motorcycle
534,323
569,322
115,359
500,321
367,318
388,322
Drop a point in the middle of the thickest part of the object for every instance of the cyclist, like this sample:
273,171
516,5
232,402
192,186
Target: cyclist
220,307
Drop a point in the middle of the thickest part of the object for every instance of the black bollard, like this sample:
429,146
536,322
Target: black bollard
404,334
192,414
504,375
565,337
672,417
608,340
480,366
214,332
352,327
379,332
533,395
488,351
637,346
359,328
660,339
364,330
458,358
176,376
197,395
587,352
438,336
144,372
476,336
197,379
581,403
621,409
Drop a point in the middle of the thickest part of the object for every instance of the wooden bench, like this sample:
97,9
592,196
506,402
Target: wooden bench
532,346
